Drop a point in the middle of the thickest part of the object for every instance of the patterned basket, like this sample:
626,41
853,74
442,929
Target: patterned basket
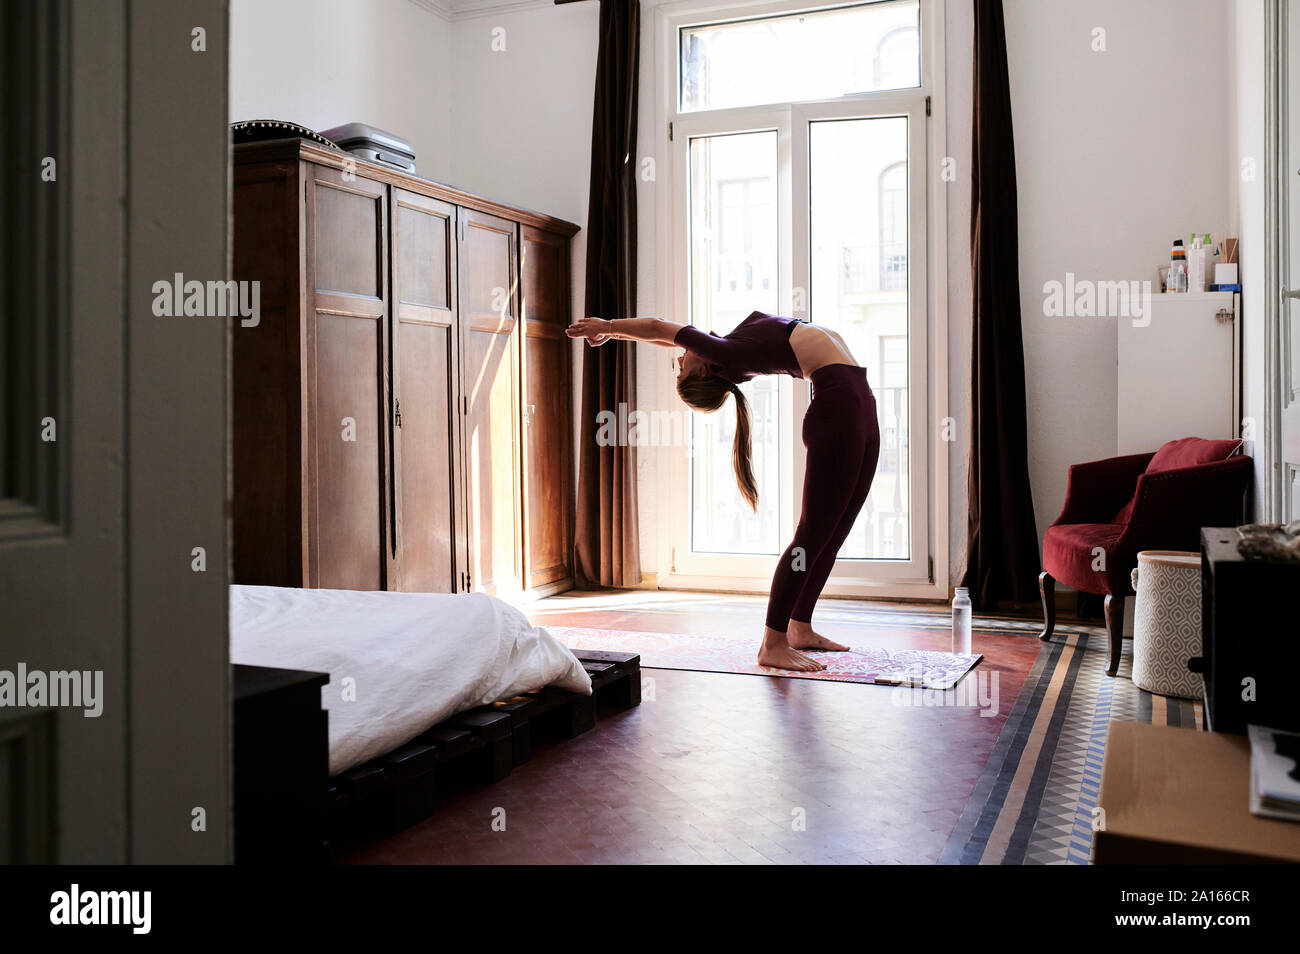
1167,622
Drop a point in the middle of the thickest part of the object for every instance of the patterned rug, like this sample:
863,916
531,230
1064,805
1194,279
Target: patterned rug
1035,800
917,668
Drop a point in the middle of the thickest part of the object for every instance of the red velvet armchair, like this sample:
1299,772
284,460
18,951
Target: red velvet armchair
1116,507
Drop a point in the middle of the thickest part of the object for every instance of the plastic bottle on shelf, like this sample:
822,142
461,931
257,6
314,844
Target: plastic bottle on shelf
1196,262
961,619
1177,268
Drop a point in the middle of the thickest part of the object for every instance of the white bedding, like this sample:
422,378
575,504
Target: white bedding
415,658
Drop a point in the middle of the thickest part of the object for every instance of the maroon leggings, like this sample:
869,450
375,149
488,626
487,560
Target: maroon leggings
842,435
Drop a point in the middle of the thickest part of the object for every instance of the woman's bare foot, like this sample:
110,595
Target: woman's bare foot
777,653
801,636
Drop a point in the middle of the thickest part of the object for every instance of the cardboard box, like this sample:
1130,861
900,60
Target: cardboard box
1178,796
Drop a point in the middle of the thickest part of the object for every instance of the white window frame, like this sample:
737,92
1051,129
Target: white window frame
926,576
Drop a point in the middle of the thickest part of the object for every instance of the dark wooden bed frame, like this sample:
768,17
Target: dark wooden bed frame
286,809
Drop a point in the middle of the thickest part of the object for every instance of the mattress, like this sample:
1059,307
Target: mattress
398,663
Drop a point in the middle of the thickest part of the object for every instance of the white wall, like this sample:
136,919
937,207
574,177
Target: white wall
1245,130
1117,154
321,63
521,116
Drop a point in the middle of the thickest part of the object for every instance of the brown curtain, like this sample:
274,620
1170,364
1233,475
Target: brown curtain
1002,557
606,540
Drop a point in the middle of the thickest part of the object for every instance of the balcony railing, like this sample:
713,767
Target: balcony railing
873,268
723,523
743,274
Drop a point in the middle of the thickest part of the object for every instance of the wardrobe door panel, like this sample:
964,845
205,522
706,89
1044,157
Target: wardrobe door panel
348,381
429,540
347,453
488,315
348,245
547,418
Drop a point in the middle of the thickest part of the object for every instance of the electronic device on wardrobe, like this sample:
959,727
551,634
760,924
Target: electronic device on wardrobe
376,145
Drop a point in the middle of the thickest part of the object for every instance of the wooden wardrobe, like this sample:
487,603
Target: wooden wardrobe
401,411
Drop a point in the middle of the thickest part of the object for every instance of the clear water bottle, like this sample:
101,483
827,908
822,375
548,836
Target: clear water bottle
961,621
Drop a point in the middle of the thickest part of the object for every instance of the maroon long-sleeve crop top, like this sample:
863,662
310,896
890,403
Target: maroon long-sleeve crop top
758,345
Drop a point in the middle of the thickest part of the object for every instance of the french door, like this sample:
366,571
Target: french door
1282,503
816,211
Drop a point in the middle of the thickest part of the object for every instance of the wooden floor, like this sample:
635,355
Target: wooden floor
721,768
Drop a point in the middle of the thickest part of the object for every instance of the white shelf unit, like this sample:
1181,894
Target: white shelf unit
1180,375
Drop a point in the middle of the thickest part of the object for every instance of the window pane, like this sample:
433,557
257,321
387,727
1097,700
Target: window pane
733,265
790,58
858,245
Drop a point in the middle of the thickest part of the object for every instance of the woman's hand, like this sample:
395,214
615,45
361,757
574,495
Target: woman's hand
652,330
595,330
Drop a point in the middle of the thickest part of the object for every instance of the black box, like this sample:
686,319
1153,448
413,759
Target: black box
1250,637
281,748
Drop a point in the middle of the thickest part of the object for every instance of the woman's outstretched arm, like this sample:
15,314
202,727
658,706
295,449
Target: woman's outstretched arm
599,330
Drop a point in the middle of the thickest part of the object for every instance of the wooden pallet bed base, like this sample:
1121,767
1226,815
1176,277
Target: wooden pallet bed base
483,745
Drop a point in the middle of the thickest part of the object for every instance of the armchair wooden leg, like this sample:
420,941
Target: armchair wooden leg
1047,590
1115,630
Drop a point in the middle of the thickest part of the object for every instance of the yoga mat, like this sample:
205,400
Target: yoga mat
920,668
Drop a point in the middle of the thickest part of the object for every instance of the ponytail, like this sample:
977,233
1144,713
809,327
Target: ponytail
708,392
742,453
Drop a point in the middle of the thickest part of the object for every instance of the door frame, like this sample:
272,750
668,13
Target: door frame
1282,381
659,33
114,582
177,479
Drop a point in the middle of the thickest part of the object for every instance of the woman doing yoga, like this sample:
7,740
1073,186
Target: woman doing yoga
839,430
